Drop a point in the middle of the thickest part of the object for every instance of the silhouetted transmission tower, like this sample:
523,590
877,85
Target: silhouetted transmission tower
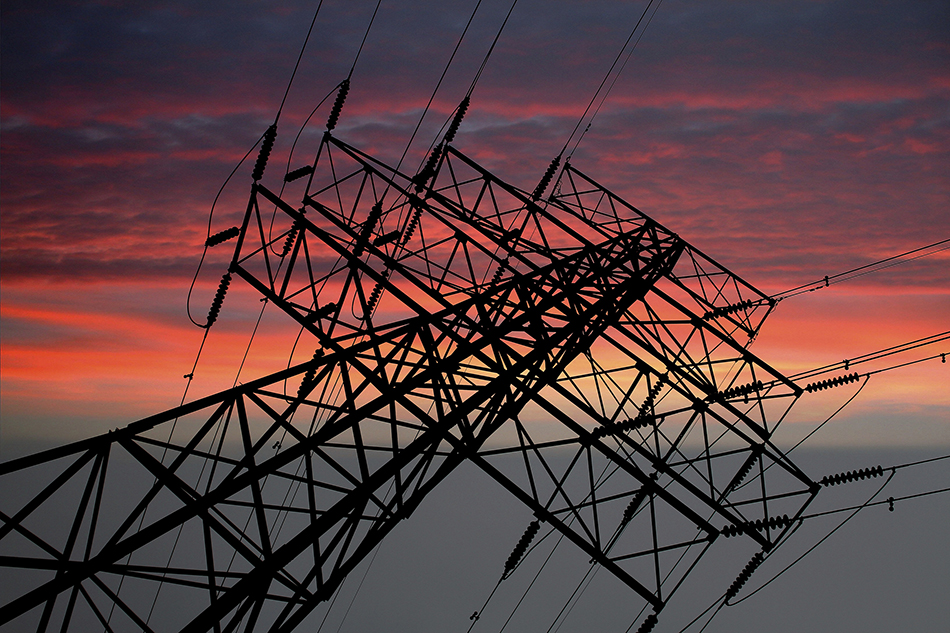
454,317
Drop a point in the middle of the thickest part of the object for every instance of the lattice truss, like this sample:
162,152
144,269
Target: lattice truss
580,354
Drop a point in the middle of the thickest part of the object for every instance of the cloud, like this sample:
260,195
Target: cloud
787,140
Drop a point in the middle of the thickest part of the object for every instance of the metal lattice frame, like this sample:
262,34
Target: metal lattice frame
455,318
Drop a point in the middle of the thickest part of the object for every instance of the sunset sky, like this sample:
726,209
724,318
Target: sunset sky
787,140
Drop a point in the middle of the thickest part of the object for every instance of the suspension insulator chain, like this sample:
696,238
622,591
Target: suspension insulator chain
411,227
546,178
832,382
338,105
292,236
841,478
367,229
308,378
428,171
498,273
760,524
218,299
266,146
746,469
298,173
457,121
632,507
375,295
223,236
730,309
648,624
651,397
742,390
639,422
744,576
521,548
743,472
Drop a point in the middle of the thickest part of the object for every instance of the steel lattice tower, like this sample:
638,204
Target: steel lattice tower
454,317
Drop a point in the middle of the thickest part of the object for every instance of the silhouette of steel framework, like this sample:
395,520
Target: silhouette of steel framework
579,353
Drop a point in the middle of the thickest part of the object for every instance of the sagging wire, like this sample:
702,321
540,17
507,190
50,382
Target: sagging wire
760,558
263,137
853,509
860,271
867,378
290,157
204,252
820,541
266,141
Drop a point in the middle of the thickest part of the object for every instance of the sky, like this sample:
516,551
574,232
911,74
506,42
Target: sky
786,140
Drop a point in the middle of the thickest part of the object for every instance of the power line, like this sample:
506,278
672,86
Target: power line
607,76
889,500
816,545
617,75
854,509
866,269
363,42
883,353
299,57
438,84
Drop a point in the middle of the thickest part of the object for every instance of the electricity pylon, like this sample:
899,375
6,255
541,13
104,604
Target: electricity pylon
582,355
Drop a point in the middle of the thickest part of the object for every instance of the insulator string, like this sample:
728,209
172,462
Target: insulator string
812,432
204,252
438,85
816,545
536,576
290,156
268,139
